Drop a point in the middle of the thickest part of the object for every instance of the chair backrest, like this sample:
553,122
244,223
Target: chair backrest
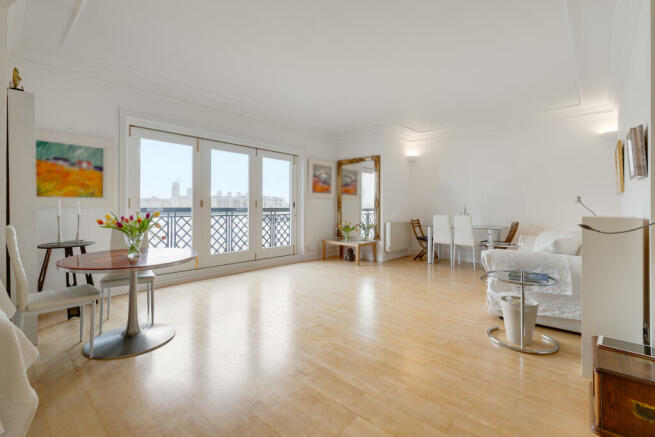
17,267
117,241
442,232
464,230
417,229
512,232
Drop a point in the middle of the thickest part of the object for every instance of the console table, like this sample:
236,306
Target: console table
357,244
68,247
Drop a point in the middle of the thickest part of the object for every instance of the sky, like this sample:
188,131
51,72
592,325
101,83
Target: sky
163,163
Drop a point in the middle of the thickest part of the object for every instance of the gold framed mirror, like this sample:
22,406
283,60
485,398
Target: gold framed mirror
358,194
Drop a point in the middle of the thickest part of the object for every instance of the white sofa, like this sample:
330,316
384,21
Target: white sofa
559,306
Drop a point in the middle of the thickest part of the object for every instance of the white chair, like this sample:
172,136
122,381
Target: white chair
48,300
443,234
464,235
120,279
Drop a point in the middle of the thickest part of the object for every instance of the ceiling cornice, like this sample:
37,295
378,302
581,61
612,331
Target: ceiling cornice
148,83
623,36
410,135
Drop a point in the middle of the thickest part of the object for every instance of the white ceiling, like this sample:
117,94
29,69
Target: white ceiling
339,64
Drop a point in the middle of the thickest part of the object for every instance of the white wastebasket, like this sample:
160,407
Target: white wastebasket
511,307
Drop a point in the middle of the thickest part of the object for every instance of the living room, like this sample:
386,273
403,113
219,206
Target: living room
245,139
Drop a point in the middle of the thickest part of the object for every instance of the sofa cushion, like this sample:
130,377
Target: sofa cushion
566,243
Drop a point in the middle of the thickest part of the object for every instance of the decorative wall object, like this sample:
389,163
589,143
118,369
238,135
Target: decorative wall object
349,182
635,144
68,170
618,164
321,179
75,167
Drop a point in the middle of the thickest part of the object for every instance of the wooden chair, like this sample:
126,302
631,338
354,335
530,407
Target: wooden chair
417,229
510,235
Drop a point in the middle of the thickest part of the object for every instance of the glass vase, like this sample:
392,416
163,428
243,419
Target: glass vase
133,243
346,235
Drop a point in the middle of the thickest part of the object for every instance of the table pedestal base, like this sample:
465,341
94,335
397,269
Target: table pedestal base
115,344
524,349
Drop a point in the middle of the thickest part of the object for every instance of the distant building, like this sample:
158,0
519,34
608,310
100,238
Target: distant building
219,200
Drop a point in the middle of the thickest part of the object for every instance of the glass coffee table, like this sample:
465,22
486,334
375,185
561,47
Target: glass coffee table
523,279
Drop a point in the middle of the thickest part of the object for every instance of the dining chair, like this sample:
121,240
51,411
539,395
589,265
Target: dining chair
120,279
513,228
464,235
443,234
48,300
422,240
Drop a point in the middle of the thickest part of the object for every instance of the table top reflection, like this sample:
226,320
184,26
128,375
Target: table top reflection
116,260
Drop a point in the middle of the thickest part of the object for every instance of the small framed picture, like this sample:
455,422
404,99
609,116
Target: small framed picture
635,144
71,167
320,176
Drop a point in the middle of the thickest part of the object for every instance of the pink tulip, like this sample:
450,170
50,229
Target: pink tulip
147,216
122,218
131,217
119,225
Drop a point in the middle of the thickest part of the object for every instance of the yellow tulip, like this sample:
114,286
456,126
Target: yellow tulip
107,216
156,213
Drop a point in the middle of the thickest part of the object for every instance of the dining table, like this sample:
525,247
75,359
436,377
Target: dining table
134,339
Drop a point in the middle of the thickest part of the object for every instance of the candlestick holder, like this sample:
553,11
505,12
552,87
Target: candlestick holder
77,234
59,237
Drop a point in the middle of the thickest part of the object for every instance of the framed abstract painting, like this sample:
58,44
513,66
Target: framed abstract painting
74,167
349,182
320,177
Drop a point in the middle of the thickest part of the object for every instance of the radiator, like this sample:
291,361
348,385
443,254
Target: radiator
397,236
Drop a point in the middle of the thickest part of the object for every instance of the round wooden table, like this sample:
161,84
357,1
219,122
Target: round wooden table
133,340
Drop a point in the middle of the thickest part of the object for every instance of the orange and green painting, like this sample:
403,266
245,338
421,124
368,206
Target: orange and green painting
321,179
349,182
68,170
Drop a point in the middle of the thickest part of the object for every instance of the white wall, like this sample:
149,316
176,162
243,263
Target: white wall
74,103
527,172
633,106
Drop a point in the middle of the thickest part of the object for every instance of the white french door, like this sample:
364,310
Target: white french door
230,203
277,221
163,175
227,203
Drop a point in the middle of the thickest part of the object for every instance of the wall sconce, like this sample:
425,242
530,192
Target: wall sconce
411,156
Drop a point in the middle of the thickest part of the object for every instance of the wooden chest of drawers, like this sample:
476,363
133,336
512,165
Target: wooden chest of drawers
623,389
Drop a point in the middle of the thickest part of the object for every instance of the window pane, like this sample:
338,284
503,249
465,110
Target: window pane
229,202
166,186
276,226
368,198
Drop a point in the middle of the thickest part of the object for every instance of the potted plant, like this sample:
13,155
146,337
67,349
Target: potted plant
346,228
366,230
133,229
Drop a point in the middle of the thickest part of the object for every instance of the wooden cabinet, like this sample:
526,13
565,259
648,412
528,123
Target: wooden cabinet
623,389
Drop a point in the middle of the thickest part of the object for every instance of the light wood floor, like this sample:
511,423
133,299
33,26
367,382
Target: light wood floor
319,348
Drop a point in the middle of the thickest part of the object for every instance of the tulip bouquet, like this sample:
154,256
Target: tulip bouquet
346,228
366,229
133,229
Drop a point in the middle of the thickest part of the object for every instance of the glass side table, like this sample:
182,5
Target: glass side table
523,279
498,244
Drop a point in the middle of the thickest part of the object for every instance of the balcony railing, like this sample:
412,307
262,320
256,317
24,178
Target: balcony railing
368,216
228,228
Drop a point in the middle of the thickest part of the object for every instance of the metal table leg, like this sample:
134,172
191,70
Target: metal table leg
133,340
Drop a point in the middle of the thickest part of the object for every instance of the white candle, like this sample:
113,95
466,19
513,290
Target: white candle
59,208
79,211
